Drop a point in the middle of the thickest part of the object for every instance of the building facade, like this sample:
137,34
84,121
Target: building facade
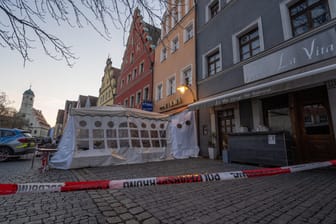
135,83
108,88
37,124
266,79
175,59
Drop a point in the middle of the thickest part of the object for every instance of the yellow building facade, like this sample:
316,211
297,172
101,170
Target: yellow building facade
175,59
107,91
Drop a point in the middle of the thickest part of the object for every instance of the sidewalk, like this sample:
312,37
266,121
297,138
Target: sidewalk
304,197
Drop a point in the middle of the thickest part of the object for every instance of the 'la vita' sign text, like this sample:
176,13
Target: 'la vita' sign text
316,48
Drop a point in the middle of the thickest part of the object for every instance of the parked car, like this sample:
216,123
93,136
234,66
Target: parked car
15,142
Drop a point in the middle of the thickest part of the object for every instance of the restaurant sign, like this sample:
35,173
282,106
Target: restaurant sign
313,49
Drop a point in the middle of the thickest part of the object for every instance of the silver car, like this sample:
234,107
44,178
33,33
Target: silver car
15,142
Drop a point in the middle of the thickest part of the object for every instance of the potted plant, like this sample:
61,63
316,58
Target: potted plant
212,146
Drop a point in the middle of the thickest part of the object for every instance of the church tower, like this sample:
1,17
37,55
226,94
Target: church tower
27,103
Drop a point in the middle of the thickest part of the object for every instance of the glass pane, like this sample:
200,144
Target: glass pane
146,144
299,30
136,143
255,51
279,119
82,133
83,145
154,134
255,44
300,20
134,133
111,133
112,144
163,143
316,120
254,34
98,144
156,143
123,133
311,2
245,56
144,134
298,8
98,133
124,143
163,134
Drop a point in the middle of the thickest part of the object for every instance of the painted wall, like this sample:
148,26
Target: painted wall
175,62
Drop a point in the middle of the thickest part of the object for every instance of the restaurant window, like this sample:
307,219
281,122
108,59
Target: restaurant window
277,113
316,120
308,14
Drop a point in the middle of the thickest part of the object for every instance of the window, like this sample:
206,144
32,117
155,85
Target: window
188,32
138,97
174,44
142,67
186,6
159,92
179,10
187,76
248,41
129,78
308,14
126,102
249,44
212,9
163,55
171,86
299,16
174,17
134,73
315,119
132,57
122,83
213,61
146,94
132,101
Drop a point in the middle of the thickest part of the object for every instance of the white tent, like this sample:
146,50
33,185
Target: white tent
101,136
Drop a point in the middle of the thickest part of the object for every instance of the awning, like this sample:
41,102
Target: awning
273,86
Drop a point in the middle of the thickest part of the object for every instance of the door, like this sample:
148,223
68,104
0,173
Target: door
226,125
315,132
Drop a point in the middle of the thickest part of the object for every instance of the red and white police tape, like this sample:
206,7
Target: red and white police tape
152,181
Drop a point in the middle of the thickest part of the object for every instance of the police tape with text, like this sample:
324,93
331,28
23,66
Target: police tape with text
6,189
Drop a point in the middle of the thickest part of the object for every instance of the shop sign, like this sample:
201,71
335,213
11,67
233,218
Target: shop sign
147,106
313,49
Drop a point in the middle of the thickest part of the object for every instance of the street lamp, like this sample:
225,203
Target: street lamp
184,88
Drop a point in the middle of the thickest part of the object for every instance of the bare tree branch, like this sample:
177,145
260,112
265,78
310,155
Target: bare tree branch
23,22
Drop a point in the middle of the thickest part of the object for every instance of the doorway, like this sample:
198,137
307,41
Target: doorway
226,125
314,127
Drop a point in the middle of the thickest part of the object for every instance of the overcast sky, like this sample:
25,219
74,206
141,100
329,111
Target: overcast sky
53,82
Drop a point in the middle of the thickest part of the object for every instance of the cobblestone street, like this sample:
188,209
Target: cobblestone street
304,197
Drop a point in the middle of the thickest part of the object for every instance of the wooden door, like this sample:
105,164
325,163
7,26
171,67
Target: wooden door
316,138
226,125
